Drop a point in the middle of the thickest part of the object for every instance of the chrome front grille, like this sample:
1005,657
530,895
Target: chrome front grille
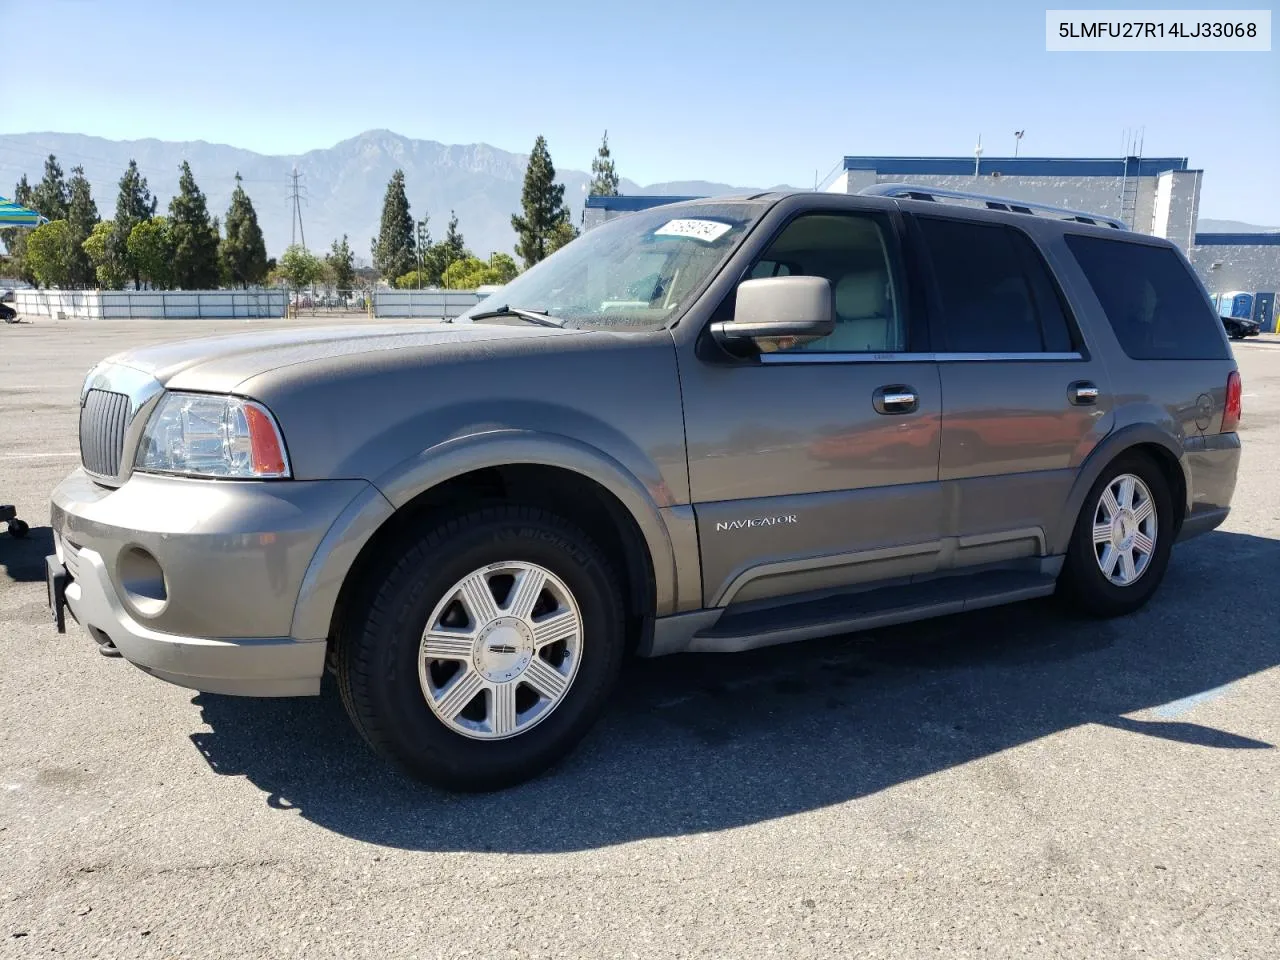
104,418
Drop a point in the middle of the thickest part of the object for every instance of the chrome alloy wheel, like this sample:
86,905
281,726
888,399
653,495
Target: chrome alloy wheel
500,650
1124,530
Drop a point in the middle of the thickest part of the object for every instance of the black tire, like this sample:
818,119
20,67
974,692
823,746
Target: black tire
18,528
1083,586
377,656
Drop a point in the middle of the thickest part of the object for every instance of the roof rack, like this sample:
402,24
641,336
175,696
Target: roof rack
907,191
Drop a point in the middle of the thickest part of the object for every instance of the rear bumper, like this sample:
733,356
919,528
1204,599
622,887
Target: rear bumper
251,667
1212,462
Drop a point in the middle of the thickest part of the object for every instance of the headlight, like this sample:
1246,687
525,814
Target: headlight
201,435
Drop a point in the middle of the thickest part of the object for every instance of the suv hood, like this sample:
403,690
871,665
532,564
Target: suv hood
220,363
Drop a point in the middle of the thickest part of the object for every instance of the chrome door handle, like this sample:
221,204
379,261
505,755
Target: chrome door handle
1082,393
895,399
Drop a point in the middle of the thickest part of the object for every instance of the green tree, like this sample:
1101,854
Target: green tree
394,252
299,267
112,273
466,274
47,254
502,269
192,235
563,232
243,251
542,207
134,204
340,263
82,217
151,252
471,272
604,178
15,238
51,197
437,257
412,281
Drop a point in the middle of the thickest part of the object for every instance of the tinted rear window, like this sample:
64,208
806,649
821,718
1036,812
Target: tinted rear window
996,293
1153,301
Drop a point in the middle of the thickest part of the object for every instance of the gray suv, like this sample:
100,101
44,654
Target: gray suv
710,426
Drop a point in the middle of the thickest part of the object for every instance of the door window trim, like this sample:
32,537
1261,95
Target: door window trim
913,301
937,316
976,357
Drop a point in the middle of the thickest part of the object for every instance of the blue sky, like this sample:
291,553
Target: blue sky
745,92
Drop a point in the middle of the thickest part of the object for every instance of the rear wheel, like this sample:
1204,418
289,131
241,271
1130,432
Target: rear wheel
487,650
1123,537
18,528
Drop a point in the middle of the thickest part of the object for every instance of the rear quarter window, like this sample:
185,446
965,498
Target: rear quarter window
1154,303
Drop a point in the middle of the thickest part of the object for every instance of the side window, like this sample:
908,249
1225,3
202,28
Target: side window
1154,303
769,268
852,251
995,292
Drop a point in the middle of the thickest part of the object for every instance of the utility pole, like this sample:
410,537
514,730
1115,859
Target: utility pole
1017,140
977,156
422,243
295,195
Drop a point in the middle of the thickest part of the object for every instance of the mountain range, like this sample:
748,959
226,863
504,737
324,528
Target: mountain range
342,186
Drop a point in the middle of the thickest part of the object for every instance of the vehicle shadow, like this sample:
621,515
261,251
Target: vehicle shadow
703,743
22,560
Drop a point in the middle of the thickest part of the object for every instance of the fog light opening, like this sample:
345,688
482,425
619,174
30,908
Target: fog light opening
142,581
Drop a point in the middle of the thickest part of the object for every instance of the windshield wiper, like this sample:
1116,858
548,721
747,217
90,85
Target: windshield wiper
533,316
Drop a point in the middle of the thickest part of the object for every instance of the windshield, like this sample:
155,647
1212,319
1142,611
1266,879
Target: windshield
636,272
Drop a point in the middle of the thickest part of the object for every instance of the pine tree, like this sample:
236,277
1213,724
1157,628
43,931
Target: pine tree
195,243
134,204
604,178
243,251
341,264
562,233
437,258
52,196
394,252
82,217
543,209
15,239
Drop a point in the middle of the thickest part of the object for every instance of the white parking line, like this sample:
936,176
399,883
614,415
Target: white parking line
39,456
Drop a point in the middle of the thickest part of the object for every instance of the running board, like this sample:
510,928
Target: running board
847,613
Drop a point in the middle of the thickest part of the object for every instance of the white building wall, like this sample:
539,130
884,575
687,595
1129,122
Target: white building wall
1252,268
1176,206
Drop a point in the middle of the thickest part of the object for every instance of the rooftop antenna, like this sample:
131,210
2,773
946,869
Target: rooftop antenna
977,155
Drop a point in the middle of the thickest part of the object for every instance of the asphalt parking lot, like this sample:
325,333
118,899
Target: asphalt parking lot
1004,783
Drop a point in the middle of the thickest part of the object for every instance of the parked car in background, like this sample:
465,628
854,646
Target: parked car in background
1240,327
711,426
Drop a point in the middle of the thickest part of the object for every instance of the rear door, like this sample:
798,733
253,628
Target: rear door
1023,399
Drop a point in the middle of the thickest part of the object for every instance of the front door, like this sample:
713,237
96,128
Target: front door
815,466
1023,401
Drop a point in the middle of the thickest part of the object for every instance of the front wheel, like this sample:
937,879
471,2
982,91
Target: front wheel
1123,537
488,649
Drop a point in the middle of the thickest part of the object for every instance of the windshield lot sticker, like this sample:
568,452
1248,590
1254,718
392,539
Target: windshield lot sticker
708,231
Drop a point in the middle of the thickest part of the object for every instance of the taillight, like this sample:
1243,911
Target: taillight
1234,408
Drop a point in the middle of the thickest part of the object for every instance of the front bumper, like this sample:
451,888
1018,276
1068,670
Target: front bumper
229,560
244,666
